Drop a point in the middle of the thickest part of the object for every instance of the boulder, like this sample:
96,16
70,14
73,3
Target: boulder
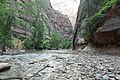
108,30
4,66
108,33
110,25
80,44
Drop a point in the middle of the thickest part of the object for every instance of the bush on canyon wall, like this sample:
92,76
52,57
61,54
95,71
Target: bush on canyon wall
92,20
57,42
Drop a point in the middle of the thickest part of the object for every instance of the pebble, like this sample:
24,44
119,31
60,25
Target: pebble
105,77
118,72
80,64
112,79
52,66
111,69
98,76
73,67
111,75
29,75
117,77
100,67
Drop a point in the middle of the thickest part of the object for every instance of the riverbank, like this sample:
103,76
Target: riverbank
53,65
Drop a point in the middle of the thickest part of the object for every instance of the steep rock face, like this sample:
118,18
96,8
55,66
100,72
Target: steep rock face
86,9
59,21
104,31
56,21
107,32
66,7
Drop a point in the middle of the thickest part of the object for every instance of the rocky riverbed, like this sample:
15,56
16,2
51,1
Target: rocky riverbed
61,65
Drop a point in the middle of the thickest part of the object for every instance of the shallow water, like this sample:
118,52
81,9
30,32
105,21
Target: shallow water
23,65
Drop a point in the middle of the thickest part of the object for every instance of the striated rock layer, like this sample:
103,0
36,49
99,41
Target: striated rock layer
57,22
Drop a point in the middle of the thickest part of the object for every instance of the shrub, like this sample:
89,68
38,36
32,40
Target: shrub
57,42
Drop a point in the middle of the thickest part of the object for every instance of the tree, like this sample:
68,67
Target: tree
6,19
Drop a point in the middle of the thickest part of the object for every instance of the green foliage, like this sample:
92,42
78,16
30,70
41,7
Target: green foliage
65,43
31,16
36,40
28,43
39,22
90,22
6,20
57,42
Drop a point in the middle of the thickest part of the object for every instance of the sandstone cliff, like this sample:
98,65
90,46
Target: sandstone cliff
56,21
98,22
67,7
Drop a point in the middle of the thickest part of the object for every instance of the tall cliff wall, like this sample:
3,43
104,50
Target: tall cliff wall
67,7
98,22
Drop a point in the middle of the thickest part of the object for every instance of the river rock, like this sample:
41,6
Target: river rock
105,77
4,66
111,69
112,79
117,77
98,76
111,75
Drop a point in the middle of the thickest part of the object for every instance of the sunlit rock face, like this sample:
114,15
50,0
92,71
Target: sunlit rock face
67,7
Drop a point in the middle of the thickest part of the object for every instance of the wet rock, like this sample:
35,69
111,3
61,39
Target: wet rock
111,69
105,77
83,73
112,79
98,76
52,66
80,68
100,67
118,72
48,65
63,71
29,75
4,66
69,63
80,78
80,64
111,75
89,68
117,77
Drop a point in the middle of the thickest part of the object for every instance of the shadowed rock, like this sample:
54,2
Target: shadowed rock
110,25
